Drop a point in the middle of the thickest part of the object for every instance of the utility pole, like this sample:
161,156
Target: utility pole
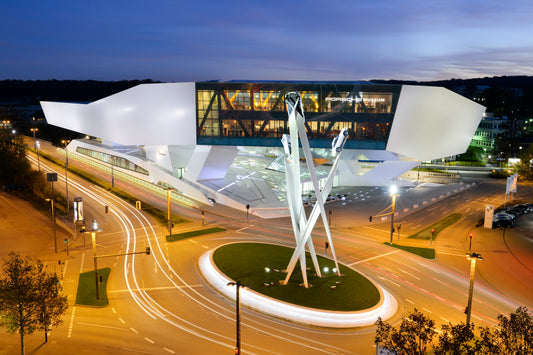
238,310
65,142
51,177
169,211
472,257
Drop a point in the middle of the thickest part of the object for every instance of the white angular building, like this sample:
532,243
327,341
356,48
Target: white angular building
220,140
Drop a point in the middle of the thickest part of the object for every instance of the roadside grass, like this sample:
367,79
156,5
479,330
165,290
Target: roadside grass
425,234
86,294
185,235
159,215
428,253
261,268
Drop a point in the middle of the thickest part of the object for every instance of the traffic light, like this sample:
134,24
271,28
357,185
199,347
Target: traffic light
470,235
370,218
106,208
147,250
466,310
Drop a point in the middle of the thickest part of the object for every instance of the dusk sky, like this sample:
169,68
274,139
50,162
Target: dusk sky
264,40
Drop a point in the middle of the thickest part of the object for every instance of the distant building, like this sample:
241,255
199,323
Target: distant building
489,128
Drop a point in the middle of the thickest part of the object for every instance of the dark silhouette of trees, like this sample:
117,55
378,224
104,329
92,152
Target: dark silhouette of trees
415,335
30,298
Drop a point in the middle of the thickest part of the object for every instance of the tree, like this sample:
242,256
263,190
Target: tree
415,333
516,331
30,298
51,304
12,159
458,339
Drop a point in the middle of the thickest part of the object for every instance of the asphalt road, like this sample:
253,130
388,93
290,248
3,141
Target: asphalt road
160,304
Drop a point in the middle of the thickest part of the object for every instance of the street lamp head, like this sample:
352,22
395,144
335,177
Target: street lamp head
470,256
393,190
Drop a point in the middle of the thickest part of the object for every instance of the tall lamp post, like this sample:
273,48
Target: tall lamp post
51,177
38,146
65,142
169,211
53,221
112,173
93,230
34,130
472,257
238,311
394,193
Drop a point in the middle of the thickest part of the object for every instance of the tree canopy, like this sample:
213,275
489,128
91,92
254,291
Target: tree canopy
30,297
415,334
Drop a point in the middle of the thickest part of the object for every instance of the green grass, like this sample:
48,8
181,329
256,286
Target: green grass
425,234
428,253
185,235
246,263
86,295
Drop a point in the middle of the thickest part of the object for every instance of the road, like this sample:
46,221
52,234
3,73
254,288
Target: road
159,304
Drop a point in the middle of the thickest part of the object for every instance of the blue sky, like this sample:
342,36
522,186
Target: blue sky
264,40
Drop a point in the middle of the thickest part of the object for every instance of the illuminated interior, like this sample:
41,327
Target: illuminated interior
230,111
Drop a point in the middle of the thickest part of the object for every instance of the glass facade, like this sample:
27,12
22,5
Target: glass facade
242,113
112,159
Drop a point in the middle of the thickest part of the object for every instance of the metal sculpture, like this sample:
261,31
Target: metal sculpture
303,225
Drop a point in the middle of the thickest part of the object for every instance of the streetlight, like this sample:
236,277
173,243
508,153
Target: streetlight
34,130
238,310
65,142
51,177
169,211
38,146
112,173
93,230
472,257
393,193
51,200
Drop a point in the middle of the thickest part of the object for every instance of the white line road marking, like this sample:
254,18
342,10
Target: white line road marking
453,254
383,278
374,257
71,322
82,260
113,309
444,319
133,330
442,282
153,288
101,326
427,310
149,340
168,350
240,230
429,267
408,300
408,273
458,307
121,320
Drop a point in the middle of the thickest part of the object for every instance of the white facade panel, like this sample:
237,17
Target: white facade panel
147,114
433,122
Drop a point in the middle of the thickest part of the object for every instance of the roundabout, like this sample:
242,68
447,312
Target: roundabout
349,301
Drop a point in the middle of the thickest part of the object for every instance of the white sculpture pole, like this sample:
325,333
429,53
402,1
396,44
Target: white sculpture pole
302,225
